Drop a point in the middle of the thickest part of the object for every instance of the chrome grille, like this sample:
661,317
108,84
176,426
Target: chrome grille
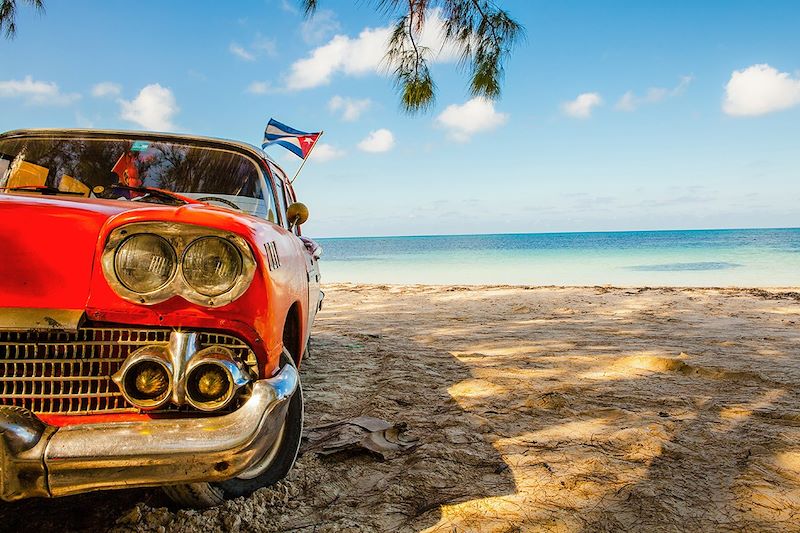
237,346
58,372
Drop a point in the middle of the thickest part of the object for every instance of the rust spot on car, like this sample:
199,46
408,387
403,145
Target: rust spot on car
53,323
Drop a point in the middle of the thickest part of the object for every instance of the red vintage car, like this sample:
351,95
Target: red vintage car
155,302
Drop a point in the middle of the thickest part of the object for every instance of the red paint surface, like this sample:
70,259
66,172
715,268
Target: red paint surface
74,420
51,247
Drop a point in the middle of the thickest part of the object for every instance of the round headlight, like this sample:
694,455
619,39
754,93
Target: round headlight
212,266
144,262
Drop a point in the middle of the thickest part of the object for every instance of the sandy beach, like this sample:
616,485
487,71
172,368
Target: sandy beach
555,409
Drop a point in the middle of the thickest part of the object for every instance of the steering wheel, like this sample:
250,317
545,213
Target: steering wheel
220,200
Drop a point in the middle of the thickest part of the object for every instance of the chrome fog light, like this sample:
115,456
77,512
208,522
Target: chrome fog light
209,383
145,378
145,384
147,381
212,378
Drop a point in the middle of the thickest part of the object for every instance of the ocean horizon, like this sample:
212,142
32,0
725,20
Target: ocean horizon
758,257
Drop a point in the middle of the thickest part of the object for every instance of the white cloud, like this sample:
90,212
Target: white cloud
36,92
363,54
760,89
153,108
106,88
260,87
582,106
352,56
325,152
287,6
476,115
261,46
351,108
381,140
627,102
239,51
631,102
265,46
319,27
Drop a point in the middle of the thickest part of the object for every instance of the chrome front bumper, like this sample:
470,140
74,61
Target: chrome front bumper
41,460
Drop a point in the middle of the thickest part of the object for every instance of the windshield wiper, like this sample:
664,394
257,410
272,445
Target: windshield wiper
171,198
44,189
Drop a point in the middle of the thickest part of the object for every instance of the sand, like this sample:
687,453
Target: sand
553,409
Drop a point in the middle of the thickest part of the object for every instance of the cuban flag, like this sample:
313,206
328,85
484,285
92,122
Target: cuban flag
298,142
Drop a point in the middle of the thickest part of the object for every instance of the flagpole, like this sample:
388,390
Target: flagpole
291,181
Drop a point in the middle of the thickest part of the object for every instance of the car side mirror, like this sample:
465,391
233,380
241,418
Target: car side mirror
297,214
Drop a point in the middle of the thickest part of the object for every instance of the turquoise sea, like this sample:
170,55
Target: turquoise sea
719,258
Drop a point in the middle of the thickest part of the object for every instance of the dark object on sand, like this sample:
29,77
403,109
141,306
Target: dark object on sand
367,433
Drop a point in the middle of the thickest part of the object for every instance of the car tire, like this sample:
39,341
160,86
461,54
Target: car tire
211,494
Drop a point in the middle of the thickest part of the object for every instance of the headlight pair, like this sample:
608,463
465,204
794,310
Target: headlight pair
150,262
146,262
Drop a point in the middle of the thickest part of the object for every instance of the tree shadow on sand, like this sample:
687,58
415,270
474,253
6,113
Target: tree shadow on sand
356,367
637,410
588,409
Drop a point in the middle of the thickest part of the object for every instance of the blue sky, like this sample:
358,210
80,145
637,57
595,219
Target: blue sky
616,115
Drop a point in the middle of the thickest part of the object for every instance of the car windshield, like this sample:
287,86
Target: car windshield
121,169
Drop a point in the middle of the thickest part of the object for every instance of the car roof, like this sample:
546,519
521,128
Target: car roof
212,142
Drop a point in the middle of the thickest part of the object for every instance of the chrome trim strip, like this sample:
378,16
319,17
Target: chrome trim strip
182,347
39,460
39,319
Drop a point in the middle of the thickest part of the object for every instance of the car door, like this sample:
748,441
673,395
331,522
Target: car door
285,198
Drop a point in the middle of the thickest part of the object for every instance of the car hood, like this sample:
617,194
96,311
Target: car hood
48,245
